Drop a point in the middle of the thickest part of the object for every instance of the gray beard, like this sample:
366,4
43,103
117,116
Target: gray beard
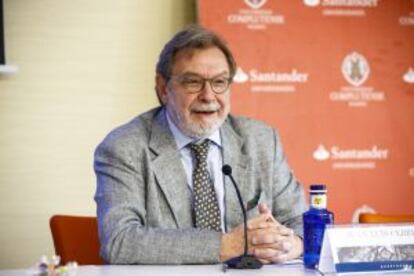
192,129
197,131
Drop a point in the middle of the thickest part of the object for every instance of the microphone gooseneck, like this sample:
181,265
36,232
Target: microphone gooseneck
227,171
244,261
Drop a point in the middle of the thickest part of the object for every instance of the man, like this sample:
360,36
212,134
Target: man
161,196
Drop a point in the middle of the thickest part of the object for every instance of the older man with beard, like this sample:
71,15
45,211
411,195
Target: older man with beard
161,197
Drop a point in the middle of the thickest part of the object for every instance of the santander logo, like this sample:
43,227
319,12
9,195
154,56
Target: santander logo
338,153
256,76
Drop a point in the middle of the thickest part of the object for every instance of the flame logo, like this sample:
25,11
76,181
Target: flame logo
312,3
240,76
409,76
321,153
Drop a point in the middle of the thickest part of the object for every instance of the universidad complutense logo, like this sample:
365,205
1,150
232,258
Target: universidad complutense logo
255,15
350,158
355,70
255,4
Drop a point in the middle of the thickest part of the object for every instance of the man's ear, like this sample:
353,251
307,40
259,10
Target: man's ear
161,88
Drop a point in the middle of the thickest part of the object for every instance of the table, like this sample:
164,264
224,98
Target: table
190,270
202,270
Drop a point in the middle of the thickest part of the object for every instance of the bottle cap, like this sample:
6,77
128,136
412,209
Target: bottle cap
318,188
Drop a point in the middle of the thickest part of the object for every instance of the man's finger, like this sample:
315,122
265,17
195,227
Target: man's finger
284,231
263,208
270,229
270,254
279,258
264,261
259,221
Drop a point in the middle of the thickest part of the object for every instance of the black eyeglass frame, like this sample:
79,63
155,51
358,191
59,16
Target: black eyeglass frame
181,78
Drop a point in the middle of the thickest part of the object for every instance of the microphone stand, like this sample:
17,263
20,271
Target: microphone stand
244,261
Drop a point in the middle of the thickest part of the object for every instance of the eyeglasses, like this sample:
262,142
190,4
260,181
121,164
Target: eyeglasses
194,84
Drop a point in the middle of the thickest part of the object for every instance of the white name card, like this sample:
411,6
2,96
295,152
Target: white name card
367,247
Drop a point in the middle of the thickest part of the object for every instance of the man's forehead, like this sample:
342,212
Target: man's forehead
187,55
195,75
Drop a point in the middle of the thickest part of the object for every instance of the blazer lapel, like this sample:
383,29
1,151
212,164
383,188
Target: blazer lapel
169,171
233,155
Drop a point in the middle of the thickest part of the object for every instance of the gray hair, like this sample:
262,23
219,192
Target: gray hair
190,38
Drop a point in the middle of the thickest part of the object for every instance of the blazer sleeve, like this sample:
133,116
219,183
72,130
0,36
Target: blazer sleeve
125,236
288,195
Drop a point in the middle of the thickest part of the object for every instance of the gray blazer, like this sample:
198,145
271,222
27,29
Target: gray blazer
144,203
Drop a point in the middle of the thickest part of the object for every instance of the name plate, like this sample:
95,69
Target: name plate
367,247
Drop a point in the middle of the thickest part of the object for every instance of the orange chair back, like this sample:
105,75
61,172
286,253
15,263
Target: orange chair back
379,218
76,239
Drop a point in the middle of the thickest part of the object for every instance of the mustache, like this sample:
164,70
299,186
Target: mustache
207,107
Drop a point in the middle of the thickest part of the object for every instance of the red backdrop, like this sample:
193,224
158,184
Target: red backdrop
336,79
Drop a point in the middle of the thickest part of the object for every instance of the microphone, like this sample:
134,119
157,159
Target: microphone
244,261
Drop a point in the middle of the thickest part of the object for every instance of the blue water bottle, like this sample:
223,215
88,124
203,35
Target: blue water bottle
314,222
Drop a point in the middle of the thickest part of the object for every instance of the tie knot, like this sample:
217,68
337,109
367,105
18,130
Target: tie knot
201,150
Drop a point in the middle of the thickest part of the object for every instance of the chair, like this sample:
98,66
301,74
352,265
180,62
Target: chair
380,218
76,239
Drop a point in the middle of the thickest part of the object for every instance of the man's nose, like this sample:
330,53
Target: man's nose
207,93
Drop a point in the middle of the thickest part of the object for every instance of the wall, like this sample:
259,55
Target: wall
336,79
84,67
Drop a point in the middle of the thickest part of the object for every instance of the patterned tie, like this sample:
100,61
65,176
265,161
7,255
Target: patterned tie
206,209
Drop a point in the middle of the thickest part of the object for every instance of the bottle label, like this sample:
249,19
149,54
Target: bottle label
318,201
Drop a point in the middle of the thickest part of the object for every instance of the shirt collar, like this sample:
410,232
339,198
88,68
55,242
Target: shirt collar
183,140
